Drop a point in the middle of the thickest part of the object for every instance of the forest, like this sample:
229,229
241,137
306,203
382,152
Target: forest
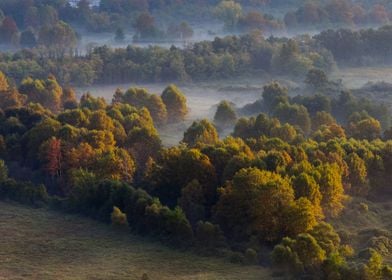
295,181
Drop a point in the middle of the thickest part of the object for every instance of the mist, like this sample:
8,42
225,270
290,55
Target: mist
202,100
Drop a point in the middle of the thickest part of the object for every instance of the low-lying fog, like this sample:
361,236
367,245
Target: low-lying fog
357,77
202,32
201,99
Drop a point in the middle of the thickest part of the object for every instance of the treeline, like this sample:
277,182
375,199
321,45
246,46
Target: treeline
317,15
267,189
363,47
23,22
228,57
307,111
30,24
247,55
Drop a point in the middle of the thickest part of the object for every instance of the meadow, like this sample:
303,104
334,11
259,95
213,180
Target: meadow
41,244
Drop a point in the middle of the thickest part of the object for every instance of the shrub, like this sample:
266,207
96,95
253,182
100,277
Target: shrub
118,217
24,192
251,256
363,207
209,236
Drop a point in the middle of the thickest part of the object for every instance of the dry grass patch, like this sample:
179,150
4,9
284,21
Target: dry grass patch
42,244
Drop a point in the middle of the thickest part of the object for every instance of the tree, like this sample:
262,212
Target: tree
4,86
225,116
367,128
99,120
209,236
46,92
92,103
322,118
118,218
296,115
201,132
181,31
175,102
59,37
192,202
300,254
301,217
255,203
358,175
373,269
285,132
316,78
331,188
307,187
68,99
52,155
273,94
140,97
145,26
326,237
176,168
229,11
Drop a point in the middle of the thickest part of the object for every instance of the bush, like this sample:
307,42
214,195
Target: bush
209,236
251,256
24,192
363,207
118,217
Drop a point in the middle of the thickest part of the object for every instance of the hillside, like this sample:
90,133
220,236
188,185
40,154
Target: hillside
40,244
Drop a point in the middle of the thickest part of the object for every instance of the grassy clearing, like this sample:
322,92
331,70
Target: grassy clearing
363,222
42,244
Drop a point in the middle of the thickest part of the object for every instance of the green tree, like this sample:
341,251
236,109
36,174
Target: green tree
59,38
229,11
296,115
225,116
306,186
273,94
201,132
46,92
175,102
316,78
192,202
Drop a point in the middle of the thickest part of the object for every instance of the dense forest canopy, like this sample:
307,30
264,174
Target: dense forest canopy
22,23
291,167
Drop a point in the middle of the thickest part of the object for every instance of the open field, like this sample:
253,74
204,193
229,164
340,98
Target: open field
41,244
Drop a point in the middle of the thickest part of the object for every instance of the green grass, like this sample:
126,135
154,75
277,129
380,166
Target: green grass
43,244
